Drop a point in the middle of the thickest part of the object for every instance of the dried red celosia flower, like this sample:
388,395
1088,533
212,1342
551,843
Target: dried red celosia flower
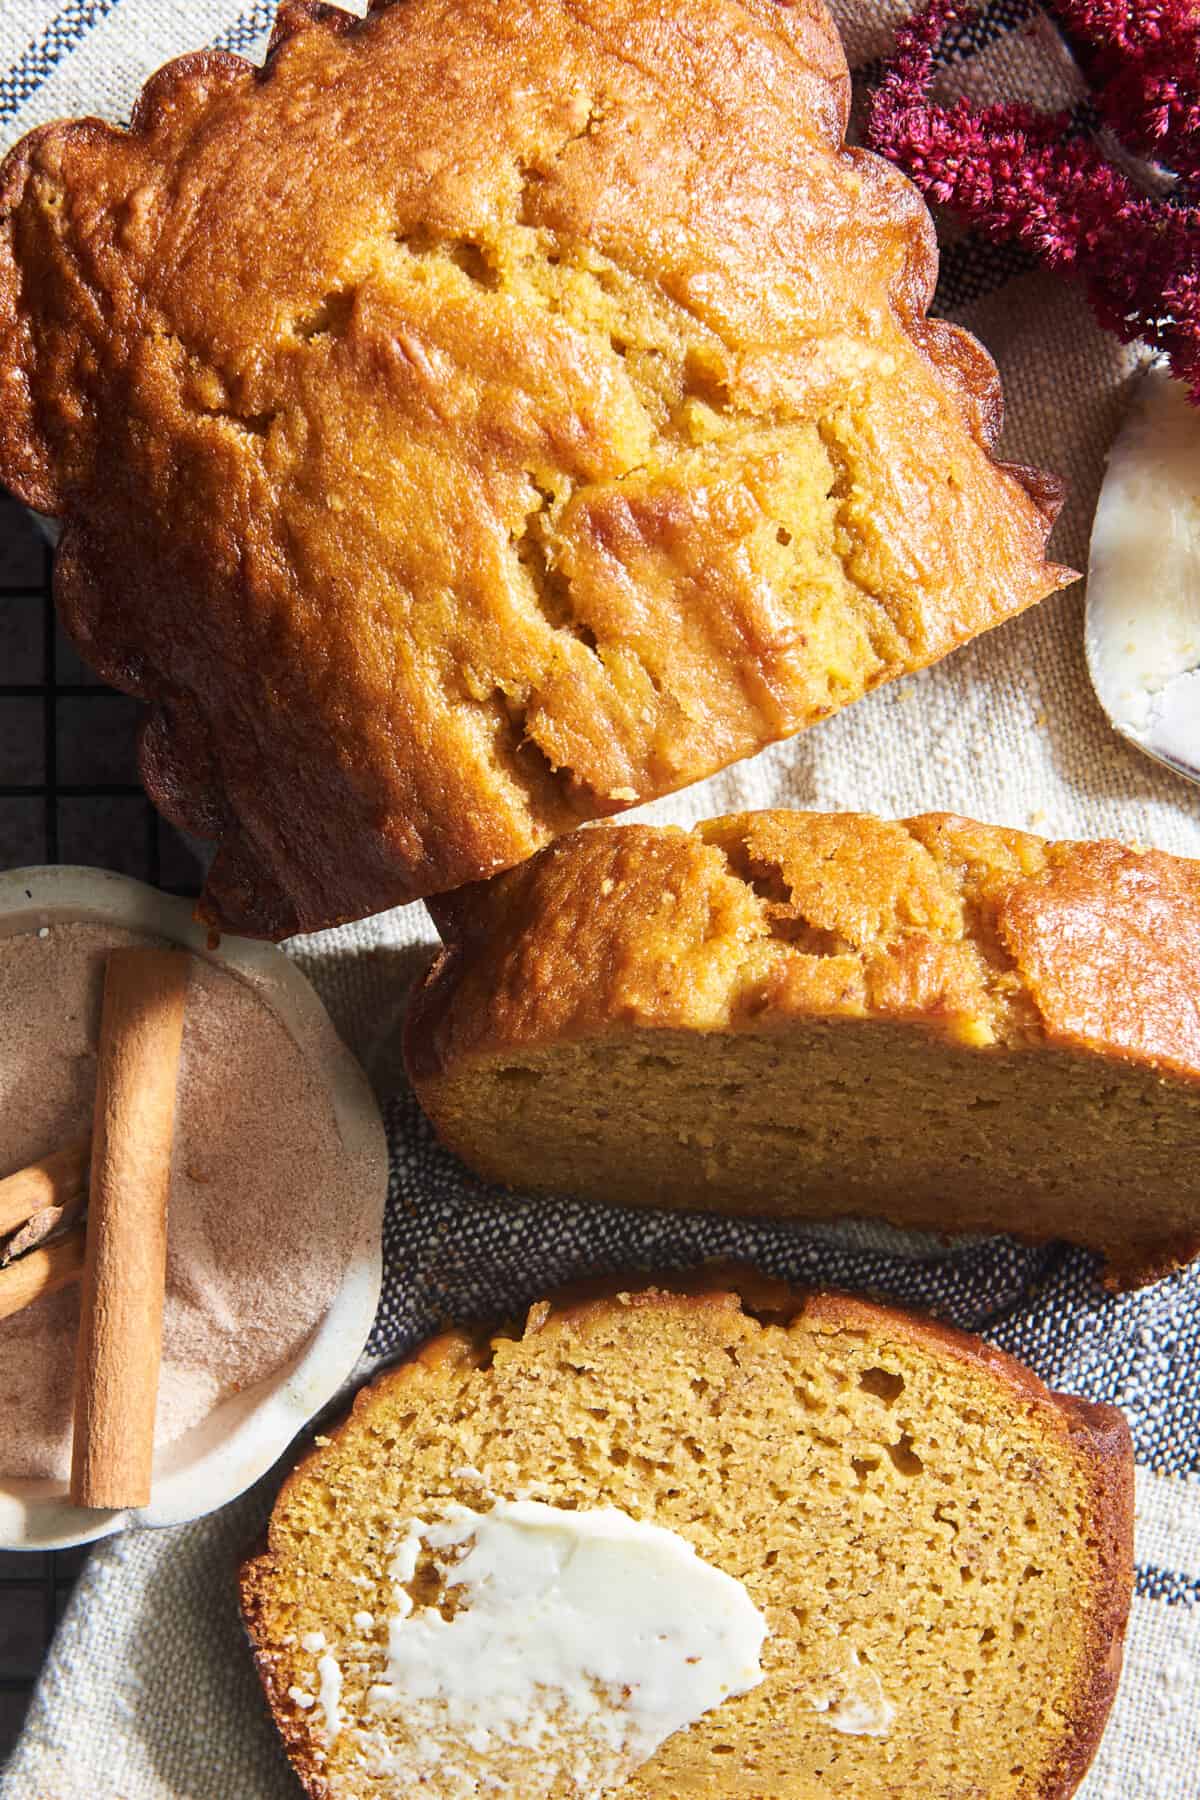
1019,175
1142,57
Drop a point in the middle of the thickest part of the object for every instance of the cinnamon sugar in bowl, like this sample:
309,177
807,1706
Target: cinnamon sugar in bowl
278,1186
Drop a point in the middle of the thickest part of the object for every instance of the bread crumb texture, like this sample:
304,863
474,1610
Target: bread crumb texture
915,1515
487,417
951,1025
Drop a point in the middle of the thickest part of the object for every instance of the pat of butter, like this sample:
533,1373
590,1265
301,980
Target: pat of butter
1143,605
586,1638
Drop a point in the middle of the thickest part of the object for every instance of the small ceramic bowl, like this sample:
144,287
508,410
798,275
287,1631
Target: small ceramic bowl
243,1435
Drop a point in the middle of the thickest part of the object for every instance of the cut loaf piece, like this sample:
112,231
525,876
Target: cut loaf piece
937,1551
947,1025
486,416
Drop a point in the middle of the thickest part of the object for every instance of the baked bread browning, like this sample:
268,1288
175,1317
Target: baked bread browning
895,1496
947,1025
486,417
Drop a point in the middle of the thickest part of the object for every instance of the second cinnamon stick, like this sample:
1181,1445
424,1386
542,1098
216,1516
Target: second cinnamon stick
42,1272
124,1278
56,1181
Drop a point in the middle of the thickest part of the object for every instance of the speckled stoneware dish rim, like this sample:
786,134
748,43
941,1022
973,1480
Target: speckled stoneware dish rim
36,1515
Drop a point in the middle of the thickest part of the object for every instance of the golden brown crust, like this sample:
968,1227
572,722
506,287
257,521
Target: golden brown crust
253,1580
974,930
446,452
985,939
1108,943
1103,1435
297,1742
1099,1436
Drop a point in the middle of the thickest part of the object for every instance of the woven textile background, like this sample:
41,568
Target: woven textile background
148,1692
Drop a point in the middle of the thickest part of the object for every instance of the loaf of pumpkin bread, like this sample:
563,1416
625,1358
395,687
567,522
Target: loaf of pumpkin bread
488,415
701,1542
938,1023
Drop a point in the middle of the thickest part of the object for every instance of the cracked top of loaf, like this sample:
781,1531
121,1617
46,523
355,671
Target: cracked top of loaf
990,937
485,417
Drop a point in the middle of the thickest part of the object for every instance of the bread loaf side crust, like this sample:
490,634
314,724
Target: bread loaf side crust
412,575
985,939
1099,1437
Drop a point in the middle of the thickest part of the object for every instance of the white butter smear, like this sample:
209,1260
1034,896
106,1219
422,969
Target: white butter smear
862,1709
329,1674
577,1643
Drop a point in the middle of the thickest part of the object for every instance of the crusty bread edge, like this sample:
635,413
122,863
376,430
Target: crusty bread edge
1102,1433
465,920
1099,1435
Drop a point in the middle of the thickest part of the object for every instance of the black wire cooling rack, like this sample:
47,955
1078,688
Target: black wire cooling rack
33,1592
68,793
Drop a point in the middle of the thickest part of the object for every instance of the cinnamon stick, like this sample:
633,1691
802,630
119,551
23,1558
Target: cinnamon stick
124,1277
55,1182
41,1272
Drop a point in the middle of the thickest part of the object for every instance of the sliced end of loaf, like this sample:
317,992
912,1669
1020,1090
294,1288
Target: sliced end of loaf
878,1483
950,1026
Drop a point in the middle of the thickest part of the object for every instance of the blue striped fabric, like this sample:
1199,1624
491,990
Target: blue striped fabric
970,36
21,80
1167,1586
978,32
249,30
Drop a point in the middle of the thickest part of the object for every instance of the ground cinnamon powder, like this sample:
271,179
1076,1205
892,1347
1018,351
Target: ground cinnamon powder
260,1222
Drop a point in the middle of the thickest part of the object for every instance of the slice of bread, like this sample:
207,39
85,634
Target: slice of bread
947,1025
940,1548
